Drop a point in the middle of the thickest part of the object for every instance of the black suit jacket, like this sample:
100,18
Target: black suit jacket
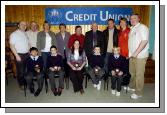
106,37
88,43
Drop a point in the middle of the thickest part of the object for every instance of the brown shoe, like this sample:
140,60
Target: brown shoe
81,91
21,87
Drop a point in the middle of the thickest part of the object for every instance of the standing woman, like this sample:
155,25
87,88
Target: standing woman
76,60
123,37
123,44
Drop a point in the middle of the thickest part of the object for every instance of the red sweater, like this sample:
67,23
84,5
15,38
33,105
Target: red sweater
74,37
123,42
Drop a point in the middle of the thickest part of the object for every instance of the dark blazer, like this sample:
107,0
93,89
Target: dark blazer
119,63
106,37
88,44
30,64
61,43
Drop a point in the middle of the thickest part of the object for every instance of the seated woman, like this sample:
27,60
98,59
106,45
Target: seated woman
55,66
76,60
34,65
96,64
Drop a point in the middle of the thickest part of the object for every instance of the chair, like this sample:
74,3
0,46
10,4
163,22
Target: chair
8,71
34,79
88,77
105,78
125,81
56,76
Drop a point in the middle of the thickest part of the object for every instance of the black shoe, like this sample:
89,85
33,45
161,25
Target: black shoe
59,91
14,77
55,92
37,92
32,90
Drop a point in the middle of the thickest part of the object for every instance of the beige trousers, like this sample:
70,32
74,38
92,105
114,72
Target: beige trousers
137,70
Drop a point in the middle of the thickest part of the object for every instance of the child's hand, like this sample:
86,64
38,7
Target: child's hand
58,68
38,70
73,68
120,73
51,68
79,68
113,73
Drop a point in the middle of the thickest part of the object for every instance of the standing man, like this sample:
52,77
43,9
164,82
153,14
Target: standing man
93,38
45,39
62,44
138,53
110,40
32,34
20,47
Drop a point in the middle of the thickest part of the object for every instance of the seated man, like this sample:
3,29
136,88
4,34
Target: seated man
34,65
117,69
96,64
55,66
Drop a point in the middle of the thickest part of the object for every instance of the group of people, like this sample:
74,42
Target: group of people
115,52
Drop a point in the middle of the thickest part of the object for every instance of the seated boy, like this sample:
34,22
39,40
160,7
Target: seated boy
34,65
96,64
55,67
117,69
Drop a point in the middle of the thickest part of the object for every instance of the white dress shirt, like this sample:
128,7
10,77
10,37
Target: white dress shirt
76,54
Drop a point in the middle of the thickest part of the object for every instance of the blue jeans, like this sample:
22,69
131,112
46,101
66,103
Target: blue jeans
106,61
45,56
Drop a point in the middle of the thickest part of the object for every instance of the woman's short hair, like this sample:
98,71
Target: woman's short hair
123,19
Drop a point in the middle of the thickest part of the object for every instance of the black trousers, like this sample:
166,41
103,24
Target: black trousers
66,67
39,77
77,79
116,82
21,67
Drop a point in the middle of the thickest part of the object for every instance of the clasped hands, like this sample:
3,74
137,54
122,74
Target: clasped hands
55,68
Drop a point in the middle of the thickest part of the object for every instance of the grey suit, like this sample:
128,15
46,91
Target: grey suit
41,40
61,43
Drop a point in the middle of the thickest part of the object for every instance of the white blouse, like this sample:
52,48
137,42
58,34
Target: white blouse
76,54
